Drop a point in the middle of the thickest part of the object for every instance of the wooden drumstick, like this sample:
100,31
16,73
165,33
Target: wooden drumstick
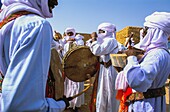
72,97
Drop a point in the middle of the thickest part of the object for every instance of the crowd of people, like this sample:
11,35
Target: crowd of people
26,40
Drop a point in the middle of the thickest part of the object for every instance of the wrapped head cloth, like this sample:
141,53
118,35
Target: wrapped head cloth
39,7
67,30
159,20
158,31
110,29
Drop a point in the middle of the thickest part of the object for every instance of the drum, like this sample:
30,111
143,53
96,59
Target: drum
55,81
118,60
79,64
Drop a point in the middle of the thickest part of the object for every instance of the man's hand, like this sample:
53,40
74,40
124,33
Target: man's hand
132,51
66,100
94,39
71,39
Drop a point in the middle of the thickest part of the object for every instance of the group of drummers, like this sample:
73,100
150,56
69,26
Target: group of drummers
63,46
101,44
34,77
111,90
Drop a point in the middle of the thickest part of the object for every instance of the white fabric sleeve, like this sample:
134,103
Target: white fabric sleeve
24,85
108,46
141,76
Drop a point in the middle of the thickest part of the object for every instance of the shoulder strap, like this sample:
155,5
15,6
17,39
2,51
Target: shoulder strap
12,17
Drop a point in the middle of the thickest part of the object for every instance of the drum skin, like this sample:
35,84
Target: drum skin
79,64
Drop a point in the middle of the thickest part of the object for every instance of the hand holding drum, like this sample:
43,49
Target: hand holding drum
71,39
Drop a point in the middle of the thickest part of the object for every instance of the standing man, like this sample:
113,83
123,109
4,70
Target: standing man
147,76
25,45
103,46
72,88
57,43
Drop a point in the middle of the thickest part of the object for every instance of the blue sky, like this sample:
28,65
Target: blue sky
86,15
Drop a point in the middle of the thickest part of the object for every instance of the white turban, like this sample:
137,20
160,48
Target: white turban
39,7
159,20
109,28
158,32
70,30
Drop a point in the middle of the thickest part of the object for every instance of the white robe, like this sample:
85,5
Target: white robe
106,101
72,88
151,73
27,49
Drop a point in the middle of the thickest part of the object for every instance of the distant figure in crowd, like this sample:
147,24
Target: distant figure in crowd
102,46
58,43
93,37
145,76
25,48
71,39
72,88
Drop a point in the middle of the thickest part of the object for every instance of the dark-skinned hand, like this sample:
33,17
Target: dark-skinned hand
66,100
71,39
132,51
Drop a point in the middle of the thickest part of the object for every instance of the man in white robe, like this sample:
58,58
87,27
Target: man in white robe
25,45
58,44
72,88
149,74
105,45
